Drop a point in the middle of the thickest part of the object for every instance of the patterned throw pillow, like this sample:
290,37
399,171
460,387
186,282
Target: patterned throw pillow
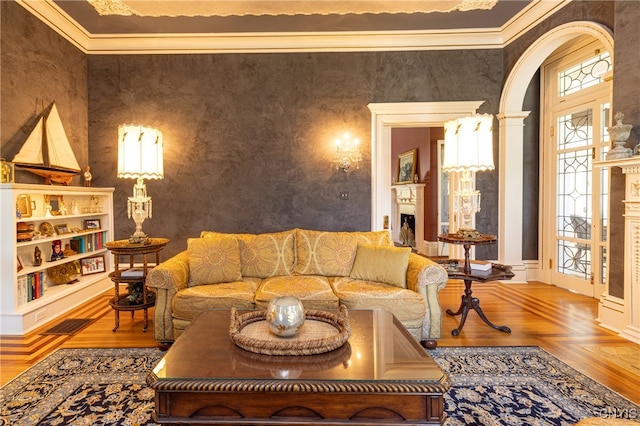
213,260
264,255
381,264
331,253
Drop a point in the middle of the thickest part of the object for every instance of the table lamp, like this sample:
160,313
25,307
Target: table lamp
468,148
139,157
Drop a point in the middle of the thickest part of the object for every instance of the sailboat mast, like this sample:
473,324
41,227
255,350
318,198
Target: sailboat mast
45,144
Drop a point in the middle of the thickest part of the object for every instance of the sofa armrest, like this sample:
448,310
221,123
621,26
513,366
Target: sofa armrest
427,278
167,279
173,273
423,272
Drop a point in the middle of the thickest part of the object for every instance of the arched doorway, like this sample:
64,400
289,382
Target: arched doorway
511,118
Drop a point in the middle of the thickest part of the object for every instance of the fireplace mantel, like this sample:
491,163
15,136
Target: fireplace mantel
409,199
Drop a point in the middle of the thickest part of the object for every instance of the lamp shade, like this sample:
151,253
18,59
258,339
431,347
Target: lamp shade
468,144
139,152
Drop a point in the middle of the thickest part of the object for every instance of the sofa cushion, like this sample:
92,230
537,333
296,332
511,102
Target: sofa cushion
331,254
188,303
382,264
408,306
213,260
314,291
264,255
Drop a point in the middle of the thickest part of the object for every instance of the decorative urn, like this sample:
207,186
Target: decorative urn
285,316
619,135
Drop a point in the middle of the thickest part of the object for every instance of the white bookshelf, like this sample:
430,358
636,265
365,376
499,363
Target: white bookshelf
20,313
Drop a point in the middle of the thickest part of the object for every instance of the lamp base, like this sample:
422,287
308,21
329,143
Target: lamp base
467,233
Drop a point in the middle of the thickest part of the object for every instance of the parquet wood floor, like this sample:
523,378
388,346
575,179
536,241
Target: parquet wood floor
559,321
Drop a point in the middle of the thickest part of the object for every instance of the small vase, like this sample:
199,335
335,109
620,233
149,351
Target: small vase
285,316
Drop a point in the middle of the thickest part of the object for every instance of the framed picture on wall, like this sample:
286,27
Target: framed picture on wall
407,166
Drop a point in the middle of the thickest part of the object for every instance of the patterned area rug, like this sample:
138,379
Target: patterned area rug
522,386
491,386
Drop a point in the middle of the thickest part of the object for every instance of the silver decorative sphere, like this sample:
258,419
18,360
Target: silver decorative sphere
285,316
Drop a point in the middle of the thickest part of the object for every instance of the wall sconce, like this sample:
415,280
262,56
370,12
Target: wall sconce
468,148
139,157
347,153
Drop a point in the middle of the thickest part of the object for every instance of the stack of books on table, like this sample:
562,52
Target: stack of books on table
480,266
132,273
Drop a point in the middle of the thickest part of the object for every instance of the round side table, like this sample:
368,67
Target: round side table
128,273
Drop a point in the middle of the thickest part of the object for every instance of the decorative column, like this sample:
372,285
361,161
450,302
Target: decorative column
623,315
510,220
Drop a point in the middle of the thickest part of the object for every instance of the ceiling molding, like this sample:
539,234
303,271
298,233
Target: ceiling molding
359,41
174,8
299,42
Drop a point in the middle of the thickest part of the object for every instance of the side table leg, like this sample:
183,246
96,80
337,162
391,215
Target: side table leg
476,307
470,302
117,320
463,318
146,320
460,309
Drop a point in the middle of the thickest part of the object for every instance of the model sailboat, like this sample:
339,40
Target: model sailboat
47,151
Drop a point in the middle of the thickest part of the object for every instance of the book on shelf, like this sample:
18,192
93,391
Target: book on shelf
132,273
31,286
480,265
88,243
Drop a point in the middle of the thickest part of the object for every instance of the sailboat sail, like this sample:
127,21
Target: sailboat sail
31,151
47,151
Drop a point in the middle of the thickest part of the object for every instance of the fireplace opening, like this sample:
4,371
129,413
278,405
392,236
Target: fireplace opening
408,229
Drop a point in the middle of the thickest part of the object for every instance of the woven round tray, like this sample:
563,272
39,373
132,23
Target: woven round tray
250,332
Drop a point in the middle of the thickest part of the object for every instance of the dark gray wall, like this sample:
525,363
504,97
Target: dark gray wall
249,137
531,171
37,67
626,98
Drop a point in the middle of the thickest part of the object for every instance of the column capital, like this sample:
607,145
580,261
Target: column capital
513,115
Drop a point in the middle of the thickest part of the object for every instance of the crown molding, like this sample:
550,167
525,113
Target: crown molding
357,41
529,17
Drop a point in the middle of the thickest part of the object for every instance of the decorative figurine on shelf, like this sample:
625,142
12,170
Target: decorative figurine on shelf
415,178
57,253
47,207
62,207
68,251
74,207
7,171
37,256
87,176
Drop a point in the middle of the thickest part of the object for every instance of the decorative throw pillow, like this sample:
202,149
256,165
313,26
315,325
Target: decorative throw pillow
264,255
381,264
213,260
325,253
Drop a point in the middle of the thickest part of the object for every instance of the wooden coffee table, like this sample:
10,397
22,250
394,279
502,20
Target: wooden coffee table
382,375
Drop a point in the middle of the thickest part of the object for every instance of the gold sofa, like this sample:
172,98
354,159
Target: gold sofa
362,270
